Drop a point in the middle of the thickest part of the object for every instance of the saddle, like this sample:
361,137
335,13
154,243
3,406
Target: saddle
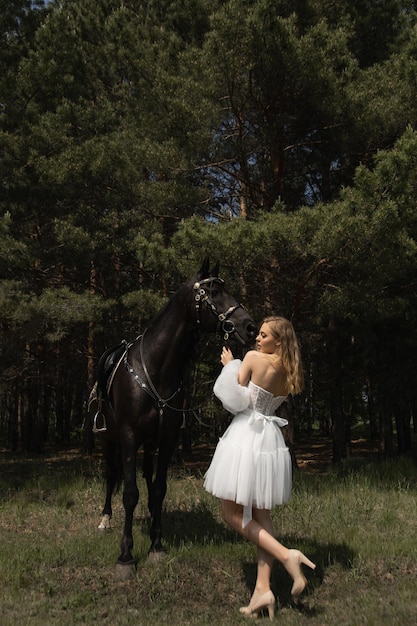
105,371
107,366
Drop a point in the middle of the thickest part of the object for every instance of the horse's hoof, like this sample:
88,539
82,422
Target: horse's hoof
105,523
154,556
125,572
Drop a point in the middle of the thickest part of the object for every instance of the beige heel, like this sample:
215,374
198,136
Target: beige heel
258,603
293,567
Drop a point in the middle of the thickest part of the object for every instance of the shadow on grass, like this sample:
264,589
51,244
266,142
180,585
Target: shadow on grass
197,526
323,555
200,527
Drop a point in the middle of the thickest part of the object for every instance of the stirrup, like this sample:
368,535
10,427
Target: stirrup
99,429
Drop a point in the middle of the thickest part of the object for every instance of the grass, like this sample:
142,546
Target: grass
357,522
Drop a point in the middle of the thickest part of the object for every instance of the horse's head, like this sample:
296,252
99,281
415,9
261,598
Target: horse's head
217,310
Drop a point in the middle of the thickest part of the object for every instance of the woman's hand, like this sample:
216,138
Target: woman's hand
226,356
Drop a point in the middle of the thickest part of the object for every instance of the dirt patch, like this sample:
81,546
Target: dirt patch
313,454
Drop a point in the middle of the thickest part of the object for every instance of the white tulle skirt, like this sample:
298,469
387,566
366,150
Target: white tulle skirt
251,464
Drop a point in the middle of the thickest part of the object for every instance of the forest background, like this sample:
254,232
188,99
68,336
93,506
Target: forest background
279,137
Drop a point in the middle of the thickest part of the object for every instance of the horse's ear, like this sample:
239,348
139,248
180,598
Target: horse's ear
215,270
205,268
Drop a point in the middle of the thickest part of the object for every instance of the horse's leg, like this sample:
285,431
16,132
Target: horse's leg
113,479
147,473
107,512
159,487
125,562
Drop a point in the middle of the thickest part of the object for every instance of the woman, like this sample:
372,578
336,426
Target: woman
251,467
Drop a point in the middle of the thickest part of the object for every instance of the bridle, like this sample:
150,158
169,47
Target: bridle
201,296
224,324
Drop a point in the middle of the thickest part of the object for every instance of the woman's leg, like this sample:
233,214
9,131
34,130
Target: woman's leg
265,559
253,531
263,538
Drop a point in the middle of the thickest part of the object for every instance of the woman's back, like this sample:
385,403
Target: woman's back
264,372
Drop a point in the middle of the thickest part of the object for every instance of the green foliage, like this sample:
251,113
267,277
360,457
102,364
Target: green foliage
277,137
368,239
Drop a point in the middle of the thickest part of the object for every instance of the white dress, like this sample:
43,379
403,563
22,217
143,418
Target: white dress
251,464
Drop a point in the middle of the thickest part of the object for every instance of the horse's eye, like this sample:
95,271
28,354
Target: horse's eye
215,292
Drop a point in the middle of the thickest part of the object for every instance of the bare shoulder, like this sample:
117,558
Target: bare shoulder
253,362
254,359
251,355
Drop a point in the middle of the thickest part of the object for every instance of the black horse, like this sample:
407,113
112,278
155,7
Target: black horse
141,401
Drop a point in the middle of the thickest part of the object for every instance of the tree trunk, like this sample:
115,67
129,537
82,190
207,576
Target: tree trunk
403,423
373,423
340,445
386,438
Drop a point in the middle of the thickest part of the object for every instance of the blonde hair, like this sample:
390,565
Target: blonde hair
290,354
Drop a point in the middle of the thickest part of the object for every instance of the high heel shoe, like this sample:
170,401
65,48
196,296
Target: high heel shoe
259,602
293,567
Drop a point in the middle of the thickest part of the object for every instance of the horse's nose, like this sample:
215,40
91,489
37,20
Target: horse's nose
251,330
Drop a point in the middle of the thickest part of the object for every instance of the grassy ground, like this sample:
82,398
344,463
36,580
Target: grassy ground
357,522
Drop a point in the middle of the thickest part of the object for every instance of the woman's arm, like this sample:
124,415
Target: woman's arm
246,369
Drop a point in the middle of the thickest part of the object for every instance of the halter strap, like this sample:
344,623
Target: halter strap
201,296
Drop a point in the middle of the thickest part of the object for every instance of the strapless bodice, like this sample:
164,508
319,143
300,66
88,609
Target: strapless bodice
264,401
